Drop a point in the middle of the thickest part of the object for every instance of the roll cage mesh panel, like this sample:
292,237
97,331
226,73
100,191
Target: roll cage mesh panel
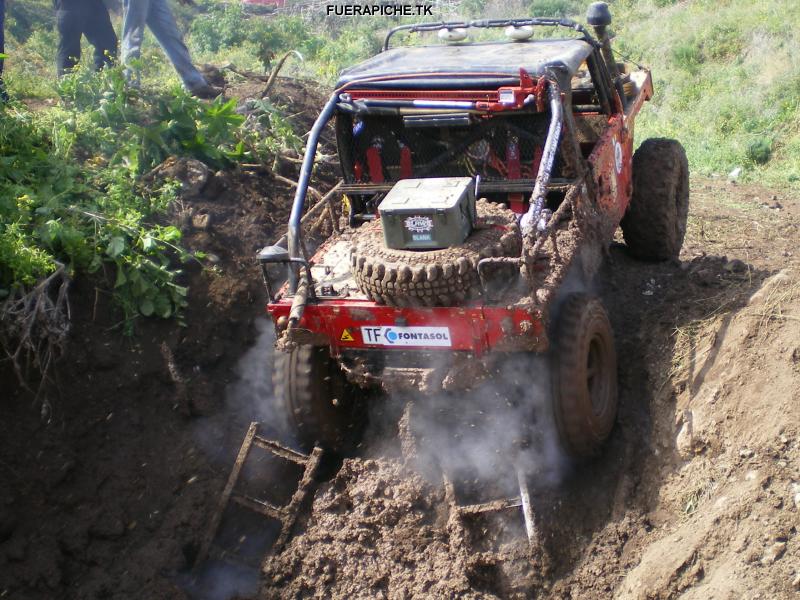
381,149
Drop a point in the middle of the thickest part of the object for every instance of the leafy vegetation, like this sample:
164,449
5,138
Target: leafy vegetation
70,189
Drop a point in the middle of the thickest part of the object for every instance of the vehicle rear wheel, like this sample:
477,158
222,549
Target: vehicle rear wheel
584,376
655,223
322,407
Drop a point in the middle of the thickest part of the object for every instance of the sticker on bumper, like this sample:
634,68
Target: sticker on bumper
407,336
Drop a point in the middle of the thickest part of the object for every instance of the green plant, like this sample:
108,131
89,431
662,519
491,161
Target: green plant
688,55
759,151
219,28
54,210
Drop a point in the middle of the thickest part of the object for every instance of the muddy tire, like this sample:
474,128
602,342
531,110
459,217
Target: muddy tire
321,406
444,277
584,370
655,223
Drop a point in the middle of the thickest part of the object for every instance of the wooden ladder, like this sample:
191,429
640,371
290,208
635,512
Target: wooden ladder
286,515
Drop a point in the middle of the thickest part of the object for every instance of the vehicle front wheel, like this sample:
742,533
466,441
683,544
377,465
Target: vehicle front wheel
655,223
322,407
584,374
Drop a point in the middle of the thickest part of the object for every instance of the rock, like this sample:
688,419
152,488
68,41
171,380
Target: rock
735,266
684,443
734,175
796,581
192,173
746,453
201,221
796,491
773,553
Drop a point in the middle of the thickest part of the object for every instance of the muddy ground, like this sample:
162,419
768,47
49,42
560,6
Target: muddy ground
697,495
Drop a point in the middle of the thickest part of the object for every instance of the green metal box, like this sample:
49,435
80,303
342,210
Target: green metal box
427,214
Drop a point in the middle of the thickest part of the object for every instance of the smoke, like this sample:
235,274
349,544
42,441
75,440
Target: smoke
223,581
479,437
251,391
245,536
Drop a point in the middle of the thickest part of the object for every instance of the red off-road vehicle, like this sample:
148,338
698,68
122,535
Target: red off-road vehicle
476,178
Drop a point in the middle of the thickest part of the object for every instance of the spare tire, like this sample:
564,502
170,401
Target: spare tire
444,277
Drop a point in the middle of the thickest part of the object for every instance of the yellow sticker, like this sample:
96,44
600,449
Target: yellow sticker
347,336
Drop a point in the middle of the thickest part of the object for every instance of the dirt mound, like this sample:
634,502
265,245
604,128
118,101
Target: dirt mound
377,530
739,431
109,495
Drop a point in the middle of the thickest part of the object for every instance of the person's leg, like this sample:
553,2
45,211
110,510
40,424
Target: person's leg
2,32
134,18
100,33
69,25
162,24
3,95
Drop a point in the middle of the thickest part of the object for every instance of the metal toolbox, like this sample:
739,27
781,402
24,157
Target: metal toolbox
426,214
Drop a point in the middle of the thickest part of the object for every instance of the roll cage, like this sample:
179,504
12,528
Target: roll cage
550,98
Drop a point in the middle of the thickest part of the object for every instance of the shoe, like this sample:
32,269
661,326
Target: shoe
207,92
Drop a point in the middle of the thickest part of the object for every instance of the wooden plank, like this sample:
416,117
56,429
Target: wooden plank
226,494
261,507
493,506
293,507
281,451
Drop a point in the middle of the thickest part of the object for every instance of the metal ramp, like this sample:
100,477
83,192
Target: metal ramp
286,514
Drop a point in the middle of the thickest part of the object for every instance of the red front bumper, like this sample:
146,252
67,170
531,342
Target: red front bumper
361,324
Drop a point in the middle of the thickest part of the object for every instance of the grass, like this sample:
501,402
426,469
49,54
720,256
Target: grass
780,303
726,83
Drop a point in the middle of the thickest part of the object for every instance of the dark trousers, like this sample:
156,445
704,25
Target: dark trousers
2,30
3,95
89,18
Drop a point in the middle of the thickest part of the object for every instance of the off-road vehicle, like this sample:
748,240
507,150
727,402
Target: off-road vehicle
480,182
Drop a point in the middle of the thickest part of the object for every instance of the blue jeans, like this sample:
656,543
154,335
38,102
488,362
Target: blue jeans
157,15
